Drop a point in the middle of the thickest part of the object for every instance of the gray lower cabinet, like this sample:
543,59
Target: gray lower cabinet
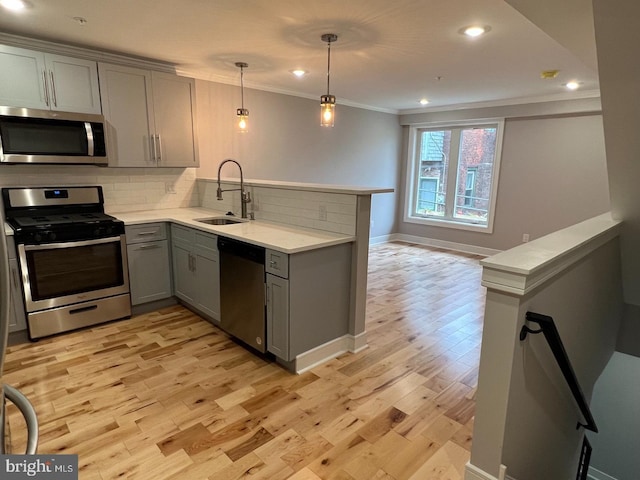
17,315
308,299
184,275
196,270
278,316
149,263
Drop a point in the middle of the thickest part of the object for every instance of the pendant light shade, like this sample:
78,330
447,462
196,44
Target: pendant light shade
328,101
242,113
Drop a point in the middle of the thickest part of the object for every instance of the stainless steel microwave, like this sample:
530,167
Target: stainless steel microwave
42,136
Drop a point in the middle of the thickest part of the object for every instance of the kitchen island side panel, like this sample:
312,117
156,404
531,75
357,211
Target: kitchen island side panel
319,296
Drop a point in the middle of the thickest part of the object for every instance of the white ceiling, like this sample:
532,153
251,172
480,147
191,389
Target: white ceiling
389,53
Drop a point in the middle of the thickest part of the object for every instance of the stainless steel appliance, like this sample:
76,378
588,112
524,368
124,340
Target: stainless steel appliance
72,256
43,136
242,292
8,393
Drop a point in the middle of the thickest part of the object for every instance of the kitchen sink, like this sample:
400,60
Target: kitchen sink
218,220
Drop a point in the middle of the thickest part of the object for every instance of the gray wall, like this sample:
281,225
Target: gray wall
553,175
525,415
615,406
617,38
617,395
286,142
542,416
553,155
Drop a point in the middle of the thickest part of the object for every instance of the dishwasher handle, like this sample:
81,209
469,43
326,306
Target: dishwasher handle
244,250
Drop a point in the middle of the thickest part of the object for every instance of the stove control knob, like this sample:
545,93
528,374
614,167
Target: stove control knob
52,236
37,237
96,232
109,230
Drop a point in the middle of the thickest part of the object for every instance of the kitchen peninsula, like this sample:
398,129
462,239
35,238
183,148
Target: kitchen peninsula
321,234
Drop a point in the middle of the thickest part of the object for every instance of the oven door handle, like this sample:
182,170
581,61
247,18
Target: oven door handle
28,412
82,243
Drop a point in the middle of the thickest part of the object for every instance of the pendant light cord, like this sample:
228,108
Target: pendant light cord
328,64
242,86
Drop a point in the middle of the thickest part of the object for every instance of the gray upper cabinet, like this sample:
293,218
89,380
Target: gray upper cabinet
151,117
174,111
46,81
127,104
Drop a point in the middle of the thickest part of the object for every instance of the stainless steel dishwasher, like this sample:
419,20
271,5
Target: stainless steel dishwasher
242,292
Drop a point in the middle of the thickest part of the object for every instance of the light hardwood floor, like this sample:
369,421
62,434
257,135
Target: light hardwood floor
168,396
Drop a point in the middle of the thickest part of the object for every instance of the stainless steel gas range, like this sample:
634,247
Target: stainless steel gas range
72,256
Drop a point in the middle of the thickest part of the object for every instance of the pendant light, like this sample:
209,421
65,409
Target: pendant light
328,101
242,113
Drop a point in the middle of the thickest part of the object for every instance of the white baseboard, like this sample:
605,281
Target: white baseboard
357,343
474,473
596,474
330,350
471,472
432,242
381,239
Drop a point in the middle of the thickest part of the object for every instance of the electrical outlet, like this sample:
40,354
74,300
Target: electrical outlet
525,237
322,213
170,187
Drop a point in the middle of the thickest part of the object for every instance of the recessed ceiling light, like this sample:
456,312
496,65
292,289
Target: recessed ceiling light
572,85
299,72
549,74
424,101
15,5
474,31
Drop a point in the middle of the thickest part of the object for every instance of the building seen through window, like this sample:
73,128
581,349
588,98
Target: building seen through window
454,173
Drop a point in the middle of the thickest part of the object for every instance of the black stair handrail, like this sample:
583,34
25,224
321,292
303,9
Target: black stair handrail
548,328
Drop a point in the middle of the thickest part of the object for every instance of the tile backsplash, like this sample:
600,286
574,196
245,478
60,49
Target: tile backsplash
125,189
330,212
133,189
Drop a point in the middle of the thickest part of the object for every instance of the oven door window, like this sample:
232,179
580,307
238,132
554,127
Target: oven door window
60,272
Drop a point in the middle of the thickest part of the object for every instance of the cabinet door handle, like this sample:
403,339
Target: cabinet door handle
142,234
53,89
45,87
159,148
152,138
148,246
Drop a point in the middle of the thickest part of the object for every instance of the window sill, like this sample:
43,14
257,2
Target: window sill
446,223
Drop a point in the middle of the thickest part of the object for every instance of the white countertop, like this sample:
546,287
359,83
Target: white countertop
311,187
529,257
269,235
523,268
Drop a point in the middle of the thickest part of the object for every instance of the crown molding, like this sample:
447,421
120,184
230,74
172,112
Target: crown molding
84,53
